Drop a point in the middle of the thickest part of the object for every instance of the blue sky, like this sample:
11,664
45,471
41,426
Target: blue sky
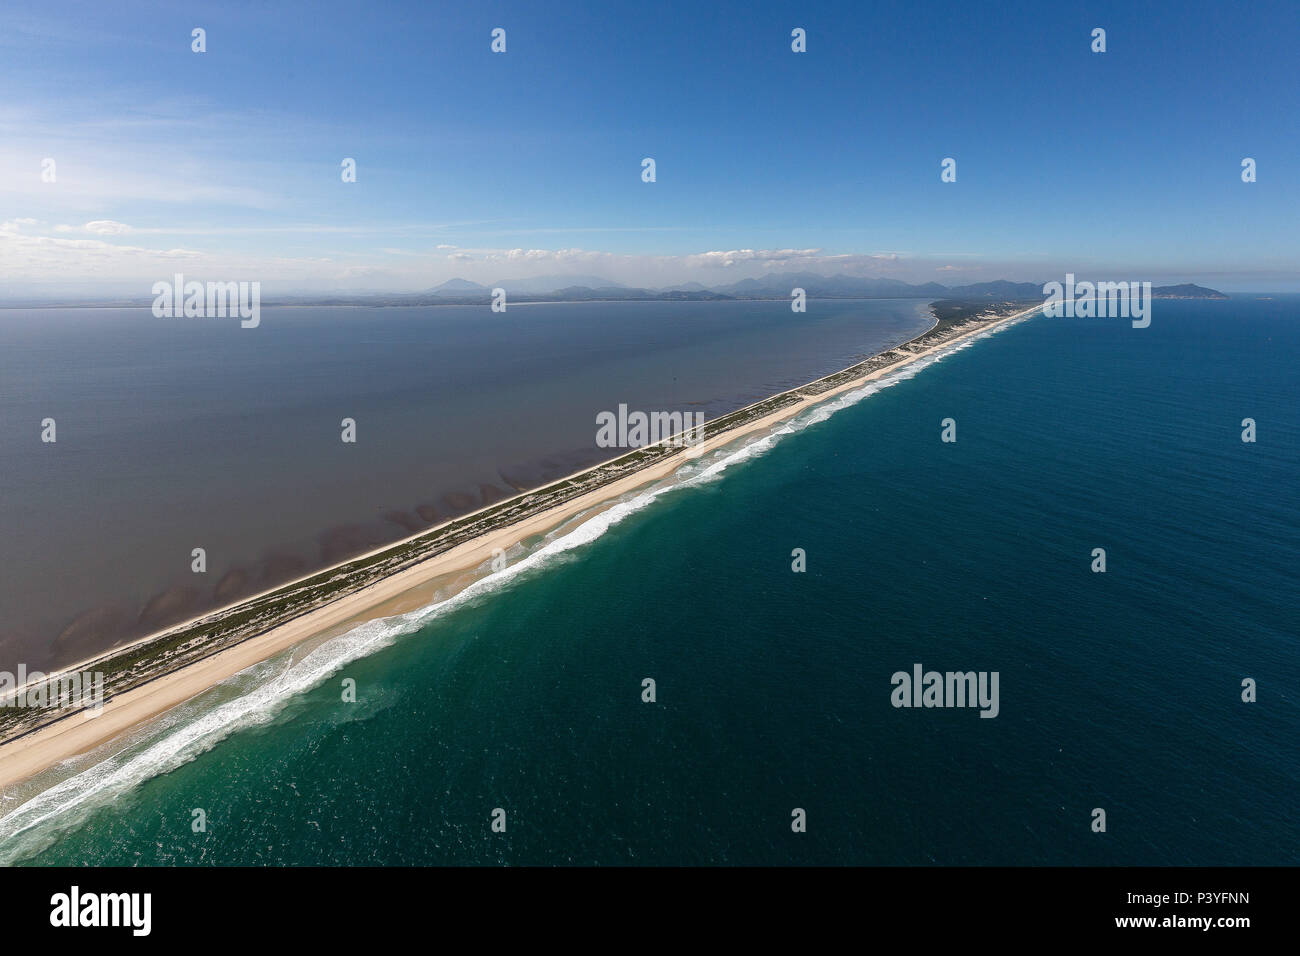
490,166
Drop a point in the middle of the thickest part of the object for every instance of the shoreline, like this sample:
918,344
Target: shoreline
144,640
145,304
393,576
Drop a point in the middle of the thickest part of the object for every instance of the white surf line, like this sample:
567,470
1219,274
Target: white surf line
179,744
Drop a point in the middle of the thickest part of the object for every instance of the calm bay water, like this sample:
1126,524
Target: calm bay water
1118,690
175,434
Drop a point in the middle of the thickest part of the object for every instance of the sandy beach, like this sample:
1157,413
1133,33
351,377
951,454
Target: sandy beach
28,755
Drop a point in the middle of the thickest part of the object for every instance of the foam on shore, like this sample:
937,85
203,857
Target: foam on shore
66,795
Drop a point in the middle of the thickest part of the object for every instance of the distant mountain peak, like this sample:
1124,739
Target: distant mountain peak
541,285
457,287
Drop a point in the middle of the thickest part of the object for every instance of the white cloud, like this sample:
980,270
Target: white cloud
96,255
97,227
46,257
107,227
734,256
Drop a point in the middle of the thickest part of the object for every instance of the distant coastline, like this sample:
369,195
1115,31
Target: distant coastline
157,672
1186,291
773,288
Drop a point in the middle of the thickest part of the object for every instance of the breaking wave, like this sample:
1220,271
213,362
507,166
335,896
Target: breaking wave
256,695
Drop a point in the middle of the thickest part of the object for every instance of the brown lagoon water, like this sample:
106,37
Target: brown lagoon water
1119,690
175,434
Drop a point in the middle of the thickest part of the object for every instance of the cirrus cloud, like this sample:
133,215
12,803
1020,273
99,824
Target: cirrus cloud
98,227
107,227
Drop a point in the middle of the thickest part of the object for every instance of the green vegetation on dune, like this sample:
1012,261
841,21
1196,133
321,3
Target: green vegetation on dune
188,643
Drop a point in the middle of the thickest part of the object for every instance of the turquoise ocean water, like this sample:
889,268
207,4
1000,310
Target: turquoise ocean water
1119,690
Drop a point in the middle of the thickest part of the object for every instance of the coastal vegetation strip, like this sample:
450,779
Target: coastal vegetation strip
168,651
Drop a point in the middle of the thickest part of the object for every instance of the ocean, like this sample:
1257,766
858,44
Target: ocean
176,434
1119,691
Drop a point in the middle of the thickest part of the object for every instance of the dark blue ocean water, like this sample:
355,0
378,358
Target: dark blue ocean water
1119,690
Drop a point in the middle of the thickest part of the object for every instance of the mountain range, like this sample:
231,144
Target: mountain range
778,286
537,285
579,288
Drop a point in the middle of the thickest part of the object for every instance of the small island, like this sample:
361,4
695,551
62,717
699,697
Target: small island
1187,290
